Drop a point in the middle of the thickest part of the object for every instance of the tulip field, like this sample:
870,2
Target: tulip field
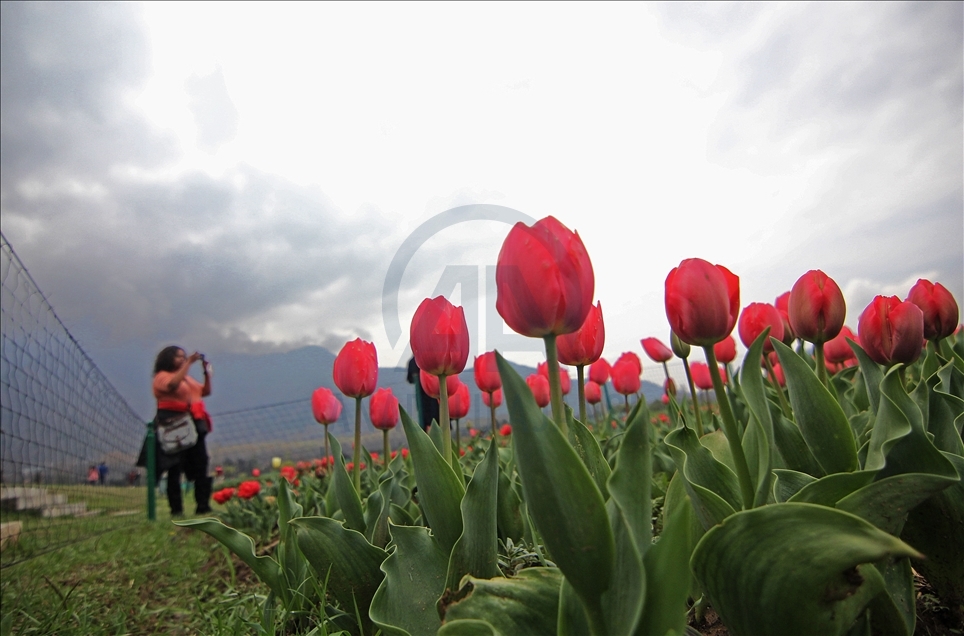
818,495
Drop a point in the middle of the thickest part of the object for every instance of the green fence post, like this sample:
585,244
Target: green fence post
151,474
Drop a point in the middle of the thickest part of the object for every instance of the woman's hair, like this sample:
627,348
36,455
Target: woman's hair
165,359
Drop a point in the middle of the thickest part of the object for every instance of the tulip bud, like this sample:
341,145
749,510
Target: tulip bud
356,369
702,301
938,306
755,318
585,345
891,331
325,406
593,393
539,386
439,337
459,402
701,376
487,373
725,350
430,384
656,350
625,374
837,350
544,279
599,371
496,398
383,409
817,308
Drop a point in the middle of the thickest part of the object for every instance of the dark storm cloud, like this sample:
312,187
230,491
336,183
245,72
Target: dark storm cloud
148,258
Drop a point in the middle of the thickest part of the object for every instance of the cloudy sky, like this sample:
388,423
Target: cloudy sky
238,178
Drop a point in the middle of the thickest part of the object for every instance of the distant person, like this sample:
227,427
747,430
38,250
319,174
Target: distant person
93,476
427,405
102,473
177,392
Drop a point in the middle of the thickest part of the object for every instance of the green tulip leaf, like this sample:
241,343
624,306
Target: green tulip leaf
568,509
266,568
622,603
871,374
710,484
405,602
758,437
893,612
827,491
793,448
793,568
343,557
377,532
345,493
822,422
630,483
668,576
572,617
945,410
589,452
936,528
435,434
509,505
468,627
294,567
477,550
789,482
440,490
525,604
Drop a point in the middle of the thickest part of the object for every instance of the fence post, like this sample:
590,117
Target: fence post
151,473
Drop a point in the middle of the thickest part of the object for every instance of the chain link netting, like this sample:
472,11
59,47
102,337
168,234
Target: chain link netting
68,439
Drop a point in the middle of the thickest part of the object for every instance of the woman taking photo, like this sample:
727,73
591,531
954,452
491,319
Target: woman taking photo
178,394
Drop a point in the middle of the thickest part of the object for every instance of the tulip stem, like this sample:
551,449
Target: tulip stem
696,404
327,452
387,447
443,416
458,435
821,366
730,429
581,381
492,409
776,385
555,386
356,455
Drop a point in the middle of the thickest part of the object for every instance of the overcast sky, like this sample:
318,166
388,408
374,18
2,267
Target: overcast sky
237,178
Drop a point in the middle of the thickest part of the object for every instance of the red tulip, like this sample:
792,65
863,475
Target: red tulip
817,308
593,393
940,310
585,345
496,398
249,489
544,279
725,350
891,331
506,430
656,350
778,372
224,495
356,369
837,350
626,374
599,371
565,382
487,373
383,409
755,318
288,472
430,384
459,402
439,337
669,386
702,301
325,406
539,386
255,472
701,376
664,399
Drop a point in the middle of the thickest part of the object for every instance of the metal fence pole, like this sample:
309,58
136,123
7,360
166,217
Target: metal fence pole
151,474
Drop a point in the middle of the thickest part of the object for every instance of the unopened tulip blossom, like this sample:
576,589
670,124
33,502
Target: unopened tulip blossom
940,310
837,350
817,311
891,331
702,301
356,374
383,411
326,408
581,348
545,283
539,386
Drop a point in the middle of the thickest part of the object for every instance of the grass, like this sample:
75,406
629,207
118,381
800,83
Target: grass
142,578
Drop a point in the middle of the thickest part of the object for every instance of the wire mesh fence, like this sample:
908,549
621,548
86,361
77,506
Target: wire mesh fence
68,439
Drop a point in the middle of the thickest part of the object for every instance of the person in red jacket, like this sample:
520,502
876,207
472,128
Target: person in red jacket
177,392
